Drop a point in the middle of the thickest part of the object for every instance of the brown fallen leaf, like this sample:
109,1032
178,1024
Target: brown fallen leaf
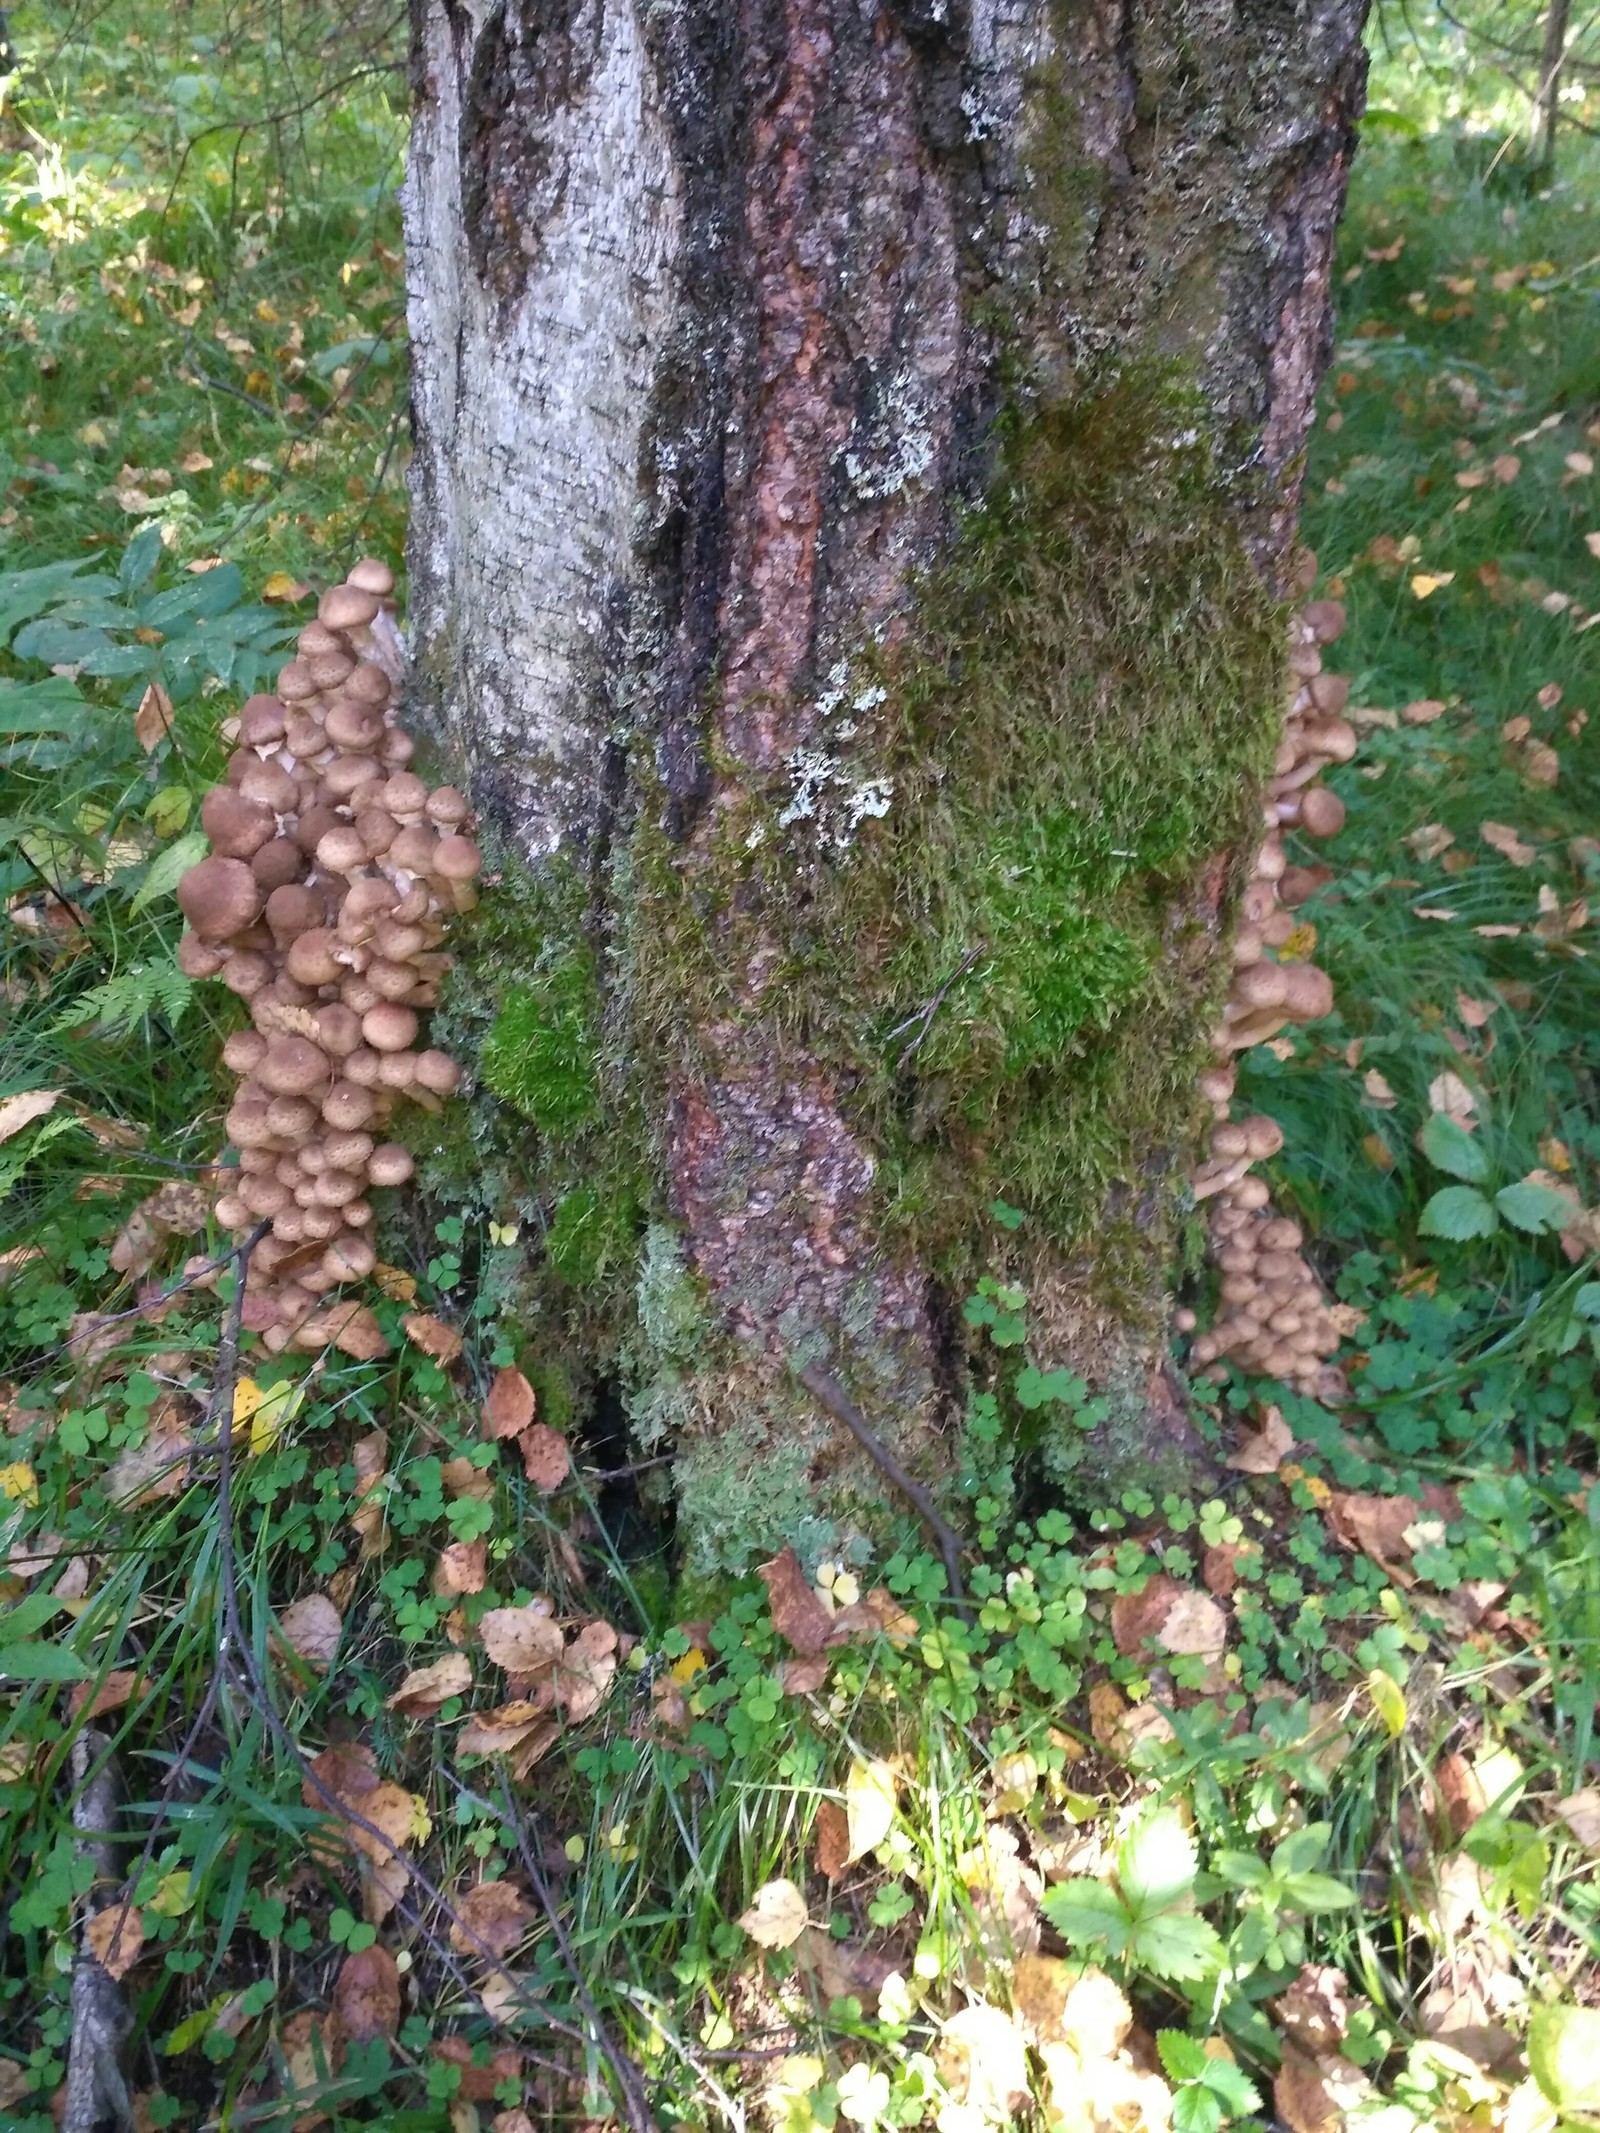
395,1283
522,1640
311,1628
19,1111
313,2049
432,1336
509,1406
152,722
114,1937
1430,840
478,2083
1377,1525
367,1994
1461,1792
1138,1616
1423,711
1194,1626
1315,2010
804,1677
463,1566
1581,1813
545,1458
830,1839
1265,1452
1108,1708
1314,2095
496,1914
426,1688
840,1970
147,1472
777,1915
1504,839
586,1670
798,1612
93,1699
349,1327
498,1732
516,2121
461,1477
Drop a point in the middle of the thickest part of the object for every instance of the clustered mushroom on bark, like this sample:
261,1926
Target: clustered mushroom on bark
333,876
1273,1318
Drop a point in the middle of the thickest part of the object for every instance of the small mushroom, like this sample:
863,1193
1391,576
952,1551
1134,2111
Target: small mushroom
219,897
292,1066
389,1027
345,607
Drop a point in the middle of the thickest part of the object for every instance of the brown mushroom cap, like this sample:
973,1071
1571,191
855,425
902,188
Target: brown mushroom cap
330,668
238,827
1259,985
413,850
1308,995
390,1165
1263,1137
1323,619
346,774
277,862
362,1066
397,750
447,808
246,973
341,851
404,794
346,607
389,1027
397,1070
1321,812
290,1117
296,682
311,958
243,1051
294,909
198,960
456,859
261,721
352,725
390,981
292,1066
219,897
372,576
348,1108
368,684
338,1029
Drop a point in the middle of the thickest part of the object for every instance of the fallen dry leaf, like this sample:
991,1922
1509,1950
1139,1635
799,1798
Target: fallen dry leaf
145,1473
498,1732
1377,1091
586,1670
426,1688
114,1937
1195,1626
1429,841
432,1336
983,2061
463,1566
522,1640
1315,2095
545,1458
798,1612
367,1994
478,2083
311,1628
1449,1094
1505,840
1581,1813
830,1839
19,1111
496,1914
93,1700
1422,712
870,1792
1474,1013
1137,1616
349,1327
152,722
1461,1791
1315,2010
509,1406
1266,1452
804,1677
1377,1525
777,1915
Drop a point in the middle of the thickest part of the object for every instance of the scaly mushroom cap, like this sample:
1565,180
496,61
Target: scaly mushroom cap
238,827
347,607
292,1066
1321,812
389,1027
338,1029
219,897
390,1165
348,1108
311,958
1260,985
1324,620
1308,994
447,808
456,859
438,1071
198,960
372,576
352,725
367,684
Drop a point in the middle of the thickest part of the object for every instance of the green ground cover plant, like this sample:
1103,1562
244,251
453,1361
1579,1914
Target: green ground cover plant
1278,1802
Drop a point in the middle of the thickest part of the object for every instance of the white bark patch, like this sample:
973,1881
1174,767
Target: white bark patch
528,421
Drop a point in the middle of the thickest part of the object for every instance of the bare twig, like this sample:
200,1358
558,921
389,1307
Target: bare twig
831,1395
924,1015
96,2090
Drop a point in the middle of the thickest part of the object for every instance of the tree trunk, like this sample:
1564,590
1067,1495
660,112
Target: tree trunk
857,459
1547,94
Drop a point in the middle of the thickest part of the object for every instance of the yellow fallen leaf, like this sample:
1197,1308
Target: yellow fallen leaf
1424,583
1386,1699
282,587
869,1803
19,1483
685,1669
267,1410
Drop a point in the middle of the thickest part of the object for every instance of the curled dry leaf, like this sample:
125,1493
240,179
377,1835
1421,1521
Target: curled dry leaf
803,1677
311,1628
798,1613
349,1327
777,1916
1505,840
1449,1094
152,722
509,1406
1316,2095
496,1915
545,1458
145,1473
432,1336
114,1937
498,1732
522,1640
1315,2011
426,1688
462,1478
585,1673
1422,711
367,1994
1266,1452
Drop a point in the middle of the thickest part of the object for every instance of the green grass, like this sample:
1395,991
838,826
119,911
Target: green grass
130,194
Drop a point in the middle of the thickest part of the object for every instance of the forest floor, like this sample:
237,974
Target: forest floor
1328,1855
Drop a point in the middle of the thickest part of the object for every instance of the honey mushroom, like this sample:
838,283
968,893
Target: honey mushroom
333,876
1272,1317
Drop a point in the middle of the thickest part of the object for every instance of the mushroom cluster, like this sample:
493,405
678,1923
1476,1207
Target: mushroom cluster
333,874
1273,1317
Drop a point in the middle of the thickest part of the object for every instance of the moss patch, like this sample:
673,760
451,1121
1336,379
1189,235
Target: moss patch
985,874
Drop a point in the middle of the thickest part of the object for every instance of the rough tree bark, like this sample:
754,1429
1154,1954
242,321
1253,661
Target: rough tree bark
857,455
